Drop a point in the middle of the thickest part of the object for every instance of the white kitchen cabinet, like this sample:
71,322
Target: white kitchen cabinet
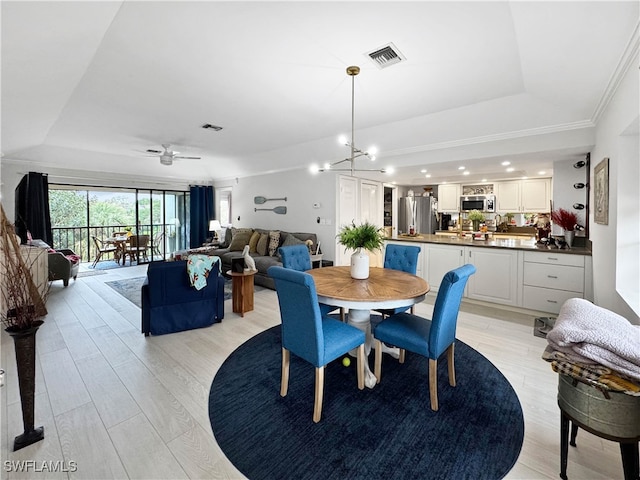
520,196
552,278
495,277
440,259
449,197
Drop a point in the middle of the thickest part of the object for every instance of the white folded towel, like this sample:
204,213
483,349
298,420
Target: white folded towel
591,334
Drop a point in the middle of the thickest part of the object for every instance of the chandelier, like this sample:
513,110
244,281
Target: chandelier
355,152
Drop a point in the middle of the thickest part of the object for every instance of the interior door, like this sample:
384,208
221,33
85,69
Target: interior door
347,213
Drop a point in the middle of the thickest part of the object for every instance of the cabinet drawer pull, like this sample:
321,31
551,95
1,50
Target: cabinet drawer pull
552,301
551,276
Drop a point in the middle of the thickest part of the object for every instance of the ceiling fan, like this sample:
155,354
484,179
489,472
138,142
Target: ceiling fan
168,156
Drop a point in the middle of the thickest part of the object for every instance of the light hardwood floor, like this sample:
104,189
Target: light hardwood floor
120,405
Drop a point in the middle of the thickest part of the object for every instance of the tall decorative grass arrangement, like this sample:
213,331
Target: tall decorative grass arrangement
565,219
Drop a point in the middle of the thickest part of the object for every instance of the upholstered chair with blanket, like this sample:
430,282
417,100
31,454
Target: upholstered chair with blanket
310,336
171,304
63,265
429,338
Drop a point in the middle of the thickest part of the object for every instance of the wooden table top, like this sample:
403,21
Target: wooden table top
384,285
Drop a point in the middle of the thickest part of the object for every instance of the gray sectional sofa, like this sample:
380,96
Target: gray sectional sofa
230,249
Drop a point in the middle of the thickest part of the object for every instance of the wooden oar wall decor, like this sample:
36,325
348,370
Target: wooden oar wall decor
279,210
261,200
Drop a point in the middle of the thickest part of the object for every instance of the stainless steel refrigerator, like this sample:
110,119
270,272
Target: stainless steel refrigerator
419,212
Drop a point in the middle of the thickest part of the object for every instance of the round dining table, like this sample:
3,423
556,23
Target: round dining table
384,289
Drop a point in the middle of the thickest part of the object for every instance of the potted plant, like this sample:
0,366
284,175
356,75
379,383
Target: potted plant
23,307
476,216
567,221
365,236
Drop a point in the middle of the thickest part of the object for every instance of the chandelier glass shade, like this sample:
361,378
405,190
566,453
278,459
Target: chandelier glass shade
352,71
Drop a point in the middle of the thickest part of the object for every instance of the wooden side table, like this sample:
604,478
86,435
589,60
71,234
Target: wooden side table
242,291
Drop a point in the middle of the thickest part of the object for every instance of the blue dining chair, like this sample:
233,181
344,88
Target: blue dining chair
403,258
429,338
297,257
309,335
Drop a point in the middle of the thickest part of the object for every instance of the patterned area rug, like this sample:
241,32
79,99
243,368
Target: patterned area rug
90,273
386,432
130,289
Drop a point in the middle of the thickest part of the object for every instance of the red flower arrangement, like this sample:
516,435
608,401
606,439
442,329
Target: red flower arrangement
565,219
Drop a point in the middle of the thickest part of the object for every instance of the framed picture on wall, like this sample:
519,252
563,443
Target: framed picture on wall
601,192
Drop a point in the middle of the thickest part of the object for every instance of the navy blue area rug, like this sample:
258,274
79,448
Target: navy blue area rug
386,432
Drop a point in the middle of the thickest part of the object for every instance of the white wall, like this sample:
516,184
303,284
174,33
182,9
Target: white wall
620,115
302,190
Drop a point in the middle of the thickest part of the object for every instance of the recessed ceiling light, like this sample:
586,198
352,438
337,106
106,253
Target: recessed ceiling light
442,183
424,170
510,169
428,175
541,172
461,168
505,163
483,180
466,172
524,178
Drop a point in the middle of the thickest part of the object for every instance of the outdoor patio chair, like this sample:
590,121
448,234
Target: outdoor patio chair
138,245
101,249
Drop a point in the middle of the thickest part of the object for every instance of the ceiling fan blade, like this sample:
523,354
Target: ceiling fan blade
187,158
153,151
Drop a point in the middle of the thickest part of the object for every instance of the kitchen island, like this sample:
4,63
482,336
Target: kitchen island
514,273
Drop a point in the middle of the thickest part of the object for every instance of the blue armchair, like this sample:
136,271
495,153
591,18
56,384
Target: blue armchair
405,259
310,336
170,304
429,338
296,257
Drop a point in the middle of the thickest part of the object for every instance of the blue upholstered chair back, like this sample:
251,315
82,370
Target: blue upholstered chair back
300,314
445,311
401,257
295,257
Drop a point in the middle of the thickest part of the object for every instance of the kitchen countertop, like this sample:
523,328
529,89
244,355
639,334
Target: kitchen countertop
528,244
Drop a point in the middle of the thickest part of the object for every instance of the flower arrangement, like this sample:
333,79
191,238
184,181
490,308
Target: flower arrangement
565,219
366,236
476,215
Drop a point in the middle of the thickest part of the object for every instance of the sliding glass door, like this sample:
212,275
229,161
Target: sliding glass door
78,214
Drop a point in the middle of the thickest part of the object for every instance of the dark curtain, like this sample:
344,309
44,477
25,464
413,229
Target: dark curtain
32,208
201,211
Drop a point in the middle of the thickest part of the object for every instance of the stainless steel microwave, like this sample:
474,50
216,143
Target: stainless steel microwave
484,203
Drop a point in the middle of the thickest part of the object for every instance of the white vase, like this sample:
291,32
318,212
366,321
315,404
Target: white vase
569,235
360,264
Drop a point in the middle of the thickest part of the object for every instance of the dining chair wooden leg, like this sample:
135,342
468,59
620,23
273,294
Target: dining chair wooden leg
317,404
433,383
377,368
451,365
402,354
95,262
342,317
284,380
361,360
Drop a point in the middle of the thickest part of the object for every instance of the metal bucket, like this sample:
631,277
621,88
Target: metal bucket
617,417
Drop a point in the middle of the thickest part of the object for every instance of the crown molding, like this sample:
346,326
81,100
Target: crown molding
629,54
530,132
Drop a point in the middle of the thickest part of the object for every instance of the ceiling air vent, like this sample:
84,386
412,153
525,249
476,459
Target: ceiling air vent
386,56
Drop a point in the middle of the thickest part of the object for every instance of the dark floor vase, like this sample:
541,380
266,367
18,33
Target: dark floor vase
25,346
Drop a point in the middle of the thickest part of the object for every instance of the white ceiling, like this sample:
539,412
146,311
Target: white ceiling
92,85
